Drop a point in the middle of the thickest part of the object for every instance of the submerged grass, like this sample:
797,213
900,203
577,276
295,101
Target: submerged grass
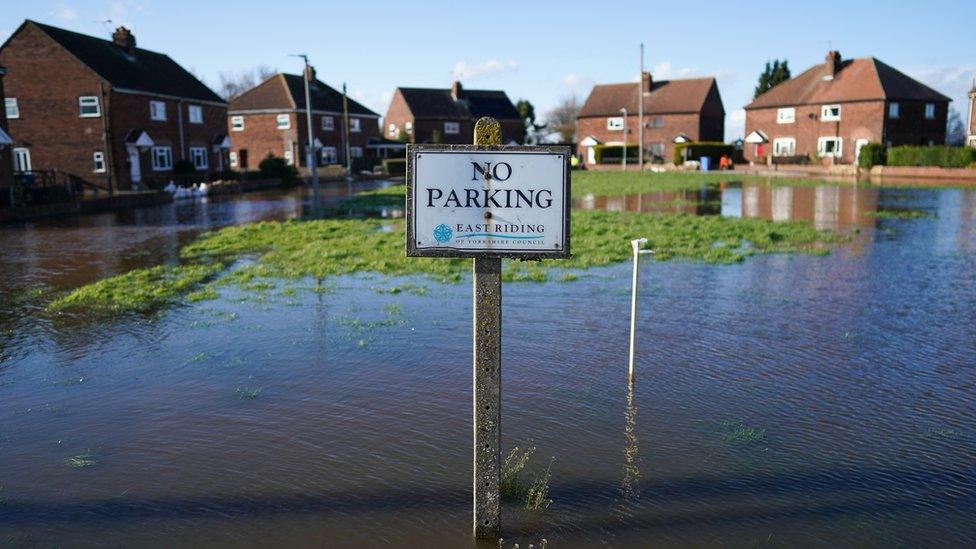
737,432
623,183
512,487
138,290
80,461
901,213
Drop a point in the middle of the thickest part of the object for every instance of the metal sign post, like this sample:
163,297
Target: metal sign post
486,201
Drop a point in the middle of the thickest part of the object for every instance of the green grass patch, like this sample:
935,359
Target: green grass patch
901,213
624,183
138,290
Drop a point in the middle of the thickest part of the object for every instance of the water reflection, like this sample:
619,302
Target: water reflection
629,486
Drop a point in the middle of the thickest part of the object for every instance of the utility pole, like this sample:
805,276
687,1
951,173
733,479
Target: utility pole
310,150
623,159
640,111
345,125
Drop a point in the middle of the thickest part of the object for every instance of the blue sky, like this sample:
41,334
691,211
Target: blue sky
540,50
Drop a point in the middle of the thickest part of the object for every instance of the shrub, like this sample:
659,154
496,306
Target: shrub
613,154
395,166
273,167
872,154
698,149
363,164
943,157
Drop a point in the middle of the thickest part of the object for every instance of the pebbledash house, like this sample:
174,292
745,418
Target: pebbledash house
831,110
270,119
675,111
107,112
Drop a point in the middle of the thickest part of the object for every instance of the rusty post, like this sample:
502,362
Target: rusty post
487,337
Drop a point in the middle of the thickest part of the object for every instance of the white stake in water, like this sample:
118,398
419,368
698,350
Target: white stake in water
636,245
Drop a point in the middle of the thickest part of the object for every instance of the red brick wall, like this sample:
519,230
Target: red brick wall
399,114
912,128
47,81
860,120
674,124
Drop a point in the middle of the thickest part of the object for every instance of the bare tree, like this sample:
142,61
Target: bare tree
562,119
233,84
955,129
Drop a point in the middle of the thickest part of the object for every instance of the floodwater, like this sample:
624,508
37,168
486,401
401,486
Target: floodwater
789,400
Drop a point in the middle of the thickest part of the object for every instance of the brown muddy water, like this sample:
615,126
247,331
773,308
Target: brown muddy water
786,401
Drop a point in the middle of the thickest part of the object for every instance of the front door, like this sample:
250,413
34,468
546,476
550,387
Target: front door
858,144
135,169
22,161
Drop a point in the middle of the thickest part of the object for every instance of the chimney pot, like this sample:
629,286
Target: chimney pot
123,38
833,63
310,74
456,90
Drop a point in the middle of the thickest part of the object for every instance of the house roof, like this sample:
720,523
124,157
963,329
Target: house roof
863,79
664,97
287,92
439,103
145,71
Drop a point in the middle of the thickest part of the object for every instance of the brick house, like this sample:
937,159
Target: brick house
675,111
6,144
106,111
971,126
833,109
427,115
270,119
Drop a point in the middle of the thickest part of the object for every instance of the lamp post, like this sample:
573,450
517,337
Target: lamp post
623,160
310,150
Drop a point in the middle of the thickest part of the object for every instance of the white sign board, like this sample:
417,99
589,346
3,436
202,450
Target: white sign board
466,200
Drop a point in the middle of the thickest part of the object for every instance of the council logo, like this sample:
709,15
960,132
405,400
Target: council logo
442,233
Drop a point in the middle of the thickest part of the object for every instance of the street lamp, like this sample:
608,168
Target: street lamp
310,150
623,160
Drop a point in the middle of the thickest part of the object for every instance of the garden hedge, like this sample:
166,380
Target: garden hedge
872,154
613,154
941,156
395,166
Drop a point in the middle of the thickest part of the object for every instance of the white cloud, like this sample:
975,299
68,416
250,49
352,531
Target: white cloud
64,12
666,71
578,81
124,12
376,102
952,81
466,71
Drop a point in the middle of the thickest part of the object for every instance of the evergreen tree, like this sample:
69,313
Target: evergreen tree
775,72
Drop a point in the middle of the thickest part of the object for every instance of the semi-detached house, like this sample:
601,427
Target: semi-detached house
106,111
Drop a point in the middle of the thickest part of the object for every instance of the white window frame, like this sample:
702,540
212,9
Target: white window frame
355,152
232,156
894,110
452,128
615,123
157,110
656,149
289,157
283,121
199,153
328,123
158,166
89,101
12,108
657,122
786,115
330,155
930,111
789,142
22,153
408,127
98,162
194,113
392,130
237,123
826,114
822,146
355,125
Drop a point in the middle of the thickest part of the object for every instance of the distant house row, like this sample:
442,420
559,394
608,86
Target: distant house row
830,110
121,117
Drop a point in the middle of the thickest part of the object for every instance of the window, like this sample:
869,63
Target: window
289,159
198,155
237,123
656,149
88,106
929,111
98,162
830,146
392,130
328,123
329,155
354,125
10,104
615,124
355,152
157,110
22,161
784,146
195,114
284,121
452,127
408,127
894,110
786,115
657,122
162,158
830,113
232,155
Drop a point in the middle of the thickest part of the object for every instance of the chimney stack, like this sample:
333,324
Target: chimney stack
456,90
123,38
310,74
646,82
833,64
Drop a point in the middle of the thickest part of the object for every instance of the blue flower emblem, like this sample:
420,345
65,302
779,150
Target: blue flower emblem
442,233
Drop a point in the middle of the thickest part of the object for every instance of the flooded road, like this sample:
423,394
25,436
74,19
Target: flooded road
789,400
